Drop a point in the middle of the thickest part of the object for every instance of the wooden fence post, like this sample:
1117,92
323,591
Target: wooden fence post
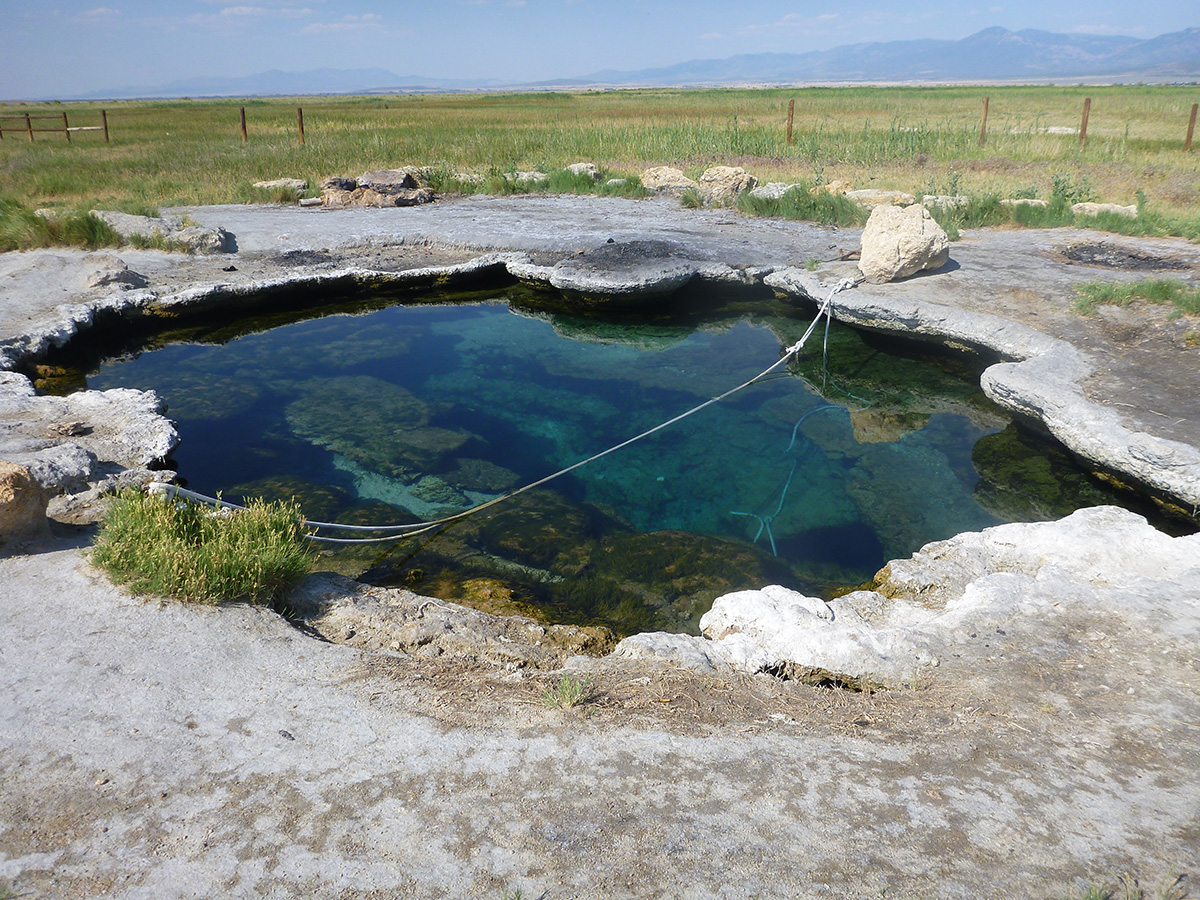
1087,108
29,127
1187,145
104,124
66,127
300,122
983,123
243,115
791,116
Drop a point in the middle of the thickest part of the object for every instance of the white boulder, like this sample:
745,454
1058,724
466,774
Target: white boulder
585,168
773,190
898,242
945,201
874,197
724,184
1095,209
667,180
278,184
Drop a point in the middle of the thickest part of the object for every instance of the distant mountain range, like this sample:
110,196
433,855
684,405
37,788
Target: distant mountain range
294,84
994,54
991,54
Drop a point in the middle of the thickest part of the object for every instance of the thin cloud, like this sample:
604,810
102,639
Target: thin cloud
793,23
284,12
347,24
100,12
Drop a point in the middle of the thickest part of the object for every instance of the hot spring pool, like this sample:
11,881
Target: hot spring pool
813,478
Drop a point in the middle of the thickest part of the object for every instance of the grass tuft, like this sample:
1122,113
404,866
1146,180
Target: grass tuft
1183,297
568,693
819,206
192,552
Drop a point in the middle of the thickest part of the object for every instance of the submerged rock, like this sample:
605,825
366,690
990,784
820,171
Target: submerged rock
377,424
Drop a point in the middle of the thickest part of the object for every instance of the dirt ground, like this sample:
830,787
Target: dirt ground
150,749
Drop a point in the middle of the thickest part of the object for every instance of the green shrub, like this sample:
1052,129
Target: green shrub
189,551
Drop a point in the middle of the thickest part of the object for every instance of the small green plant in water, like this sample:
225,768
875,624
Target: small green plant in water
568,693
193,552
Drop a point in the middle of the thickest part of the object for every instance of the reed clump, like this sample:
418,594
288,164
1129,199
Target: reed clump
193,552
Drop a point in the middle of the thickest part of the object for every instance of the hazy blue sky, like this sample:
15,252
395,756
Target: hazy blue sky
62,48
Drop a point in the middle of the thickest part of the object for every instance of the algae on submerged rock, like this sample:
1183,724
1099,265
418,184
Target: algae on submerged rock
375,423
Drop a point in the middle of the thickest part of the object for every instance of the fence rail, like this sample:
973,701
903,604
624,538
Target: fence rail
64,127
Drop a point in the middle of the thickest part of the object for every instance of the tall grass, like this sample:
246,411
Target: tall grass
800,203
909,138
190,552
22,229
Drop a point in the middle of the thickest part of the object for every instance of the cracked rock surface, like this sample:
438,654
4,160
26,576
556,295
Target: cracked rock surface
396,745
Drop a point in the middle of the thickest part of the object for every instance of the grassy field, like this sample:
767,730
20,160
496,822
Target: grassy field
919,139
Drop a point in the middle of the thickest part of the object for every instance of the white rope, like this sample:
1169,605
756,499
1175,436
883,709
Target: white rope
415,528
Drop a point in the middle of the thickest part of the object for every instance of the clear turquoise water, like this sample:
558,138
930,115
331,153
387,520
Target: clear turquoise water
814,478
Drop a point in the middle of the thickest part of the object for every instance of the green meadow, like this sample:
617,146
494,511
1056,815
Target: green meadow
918,139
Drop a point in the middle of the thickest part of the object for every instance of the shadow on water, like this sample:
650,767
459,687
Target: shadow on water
385,405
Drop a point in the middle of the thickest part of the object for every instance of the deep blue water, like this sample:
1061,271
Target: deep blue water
815,477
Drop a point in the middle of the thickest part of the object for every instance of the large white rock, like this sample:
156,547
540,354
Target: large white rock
724,184
1094,209
898,242
667,180
968,596
585,168
775,626
773,190
298,185
878,197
